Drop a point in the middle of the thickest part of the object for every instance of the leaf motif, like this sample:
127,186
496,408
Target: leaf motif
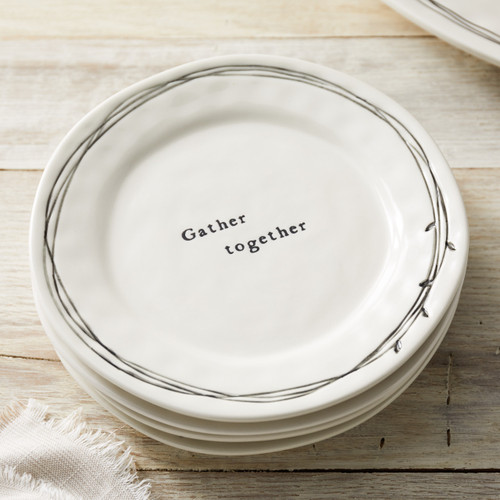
425,283
424,312
430,226
450,245
398,346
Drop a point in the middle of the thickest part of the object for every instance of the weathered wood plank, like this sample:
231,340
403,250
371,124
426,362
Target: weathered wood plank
201,18
315,486
49,85
20,329
59,59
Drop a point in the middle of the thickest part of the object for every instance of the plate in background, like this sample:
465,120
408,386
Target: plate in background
471,25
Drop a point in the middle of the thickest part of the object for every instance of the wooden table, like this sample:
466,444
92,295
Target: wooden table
58,59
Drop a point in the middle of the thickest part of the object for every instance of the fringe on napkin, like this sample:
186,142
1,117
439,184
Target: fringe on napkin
24,487
100,448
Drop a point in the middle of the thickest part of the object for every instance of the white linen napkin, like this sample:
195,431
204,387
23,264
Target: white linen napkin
45,458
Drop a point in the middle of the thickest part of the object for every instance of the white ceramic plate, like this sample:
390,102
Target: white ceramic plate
473,26
328,418
247,238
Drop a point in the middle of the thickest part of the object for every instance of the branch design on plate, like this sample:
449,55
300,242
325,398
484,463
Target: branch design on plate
398,346
83,330
461,21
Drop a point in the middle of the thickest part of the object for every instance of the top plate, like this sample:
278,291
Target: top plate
246,230
471,26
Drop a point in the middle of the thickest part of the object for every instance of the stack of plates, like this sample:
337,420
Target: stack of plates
247,254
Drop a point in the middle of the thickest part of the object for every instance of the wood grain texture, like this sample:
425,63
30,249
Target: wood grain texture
59,59
49,85
19,325
325,485
206,18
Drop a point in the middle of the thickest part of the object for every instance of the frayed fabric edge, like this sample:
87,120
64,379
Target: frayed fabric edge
100,443
16,408
26,484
